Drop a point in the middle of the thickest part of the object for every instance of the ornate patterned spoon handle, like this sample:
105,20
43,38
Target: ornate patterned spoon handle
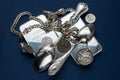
55,67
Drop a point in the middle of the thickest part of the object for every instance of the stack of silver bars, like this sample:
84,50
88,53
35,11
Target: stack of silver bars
53,36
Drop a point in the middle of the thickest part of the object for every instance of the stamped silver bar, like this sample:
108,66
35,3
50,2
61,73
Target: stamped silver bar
37,36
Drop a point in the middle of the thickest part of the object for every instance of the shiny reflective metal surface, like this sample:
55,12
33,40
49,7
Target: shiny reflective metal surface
81,9
46,41
41,40
84,57
26,48
63,45
93,44
55,67
44,58
90,18
86,33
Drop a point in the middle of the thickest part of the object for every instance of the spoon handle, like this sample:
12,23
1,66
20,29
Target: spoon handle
81,9
55,67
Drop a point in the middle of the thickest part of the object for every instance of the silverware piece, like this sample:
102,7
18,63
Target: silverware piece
44,57
42,34
55,67
80,10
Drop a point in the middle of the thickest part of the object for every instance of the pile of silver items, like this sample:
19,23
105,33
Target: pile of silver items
53,36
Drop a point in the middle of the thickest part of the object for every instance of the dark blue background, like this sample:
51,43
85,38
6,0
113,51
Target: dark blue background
16,66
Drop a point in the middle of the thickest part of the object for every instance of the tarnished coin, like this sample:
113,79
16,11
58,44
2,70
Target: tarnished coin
90,18
63,45
84,57
46,41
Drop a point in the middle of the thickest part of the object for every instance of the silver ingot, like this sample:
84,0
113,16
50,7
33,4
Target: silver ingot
84,56
44,57
86,33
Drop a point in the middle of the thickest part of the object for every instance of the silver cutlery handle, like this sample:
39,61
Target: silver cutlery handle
55,67
81,9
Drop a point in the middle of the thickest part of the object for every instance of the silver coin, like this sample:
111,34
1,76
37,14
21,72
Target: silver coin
46,41
84,57
90,18
63,45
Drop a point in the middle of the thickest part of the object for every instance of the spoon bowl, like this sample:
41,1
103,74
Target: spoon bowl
44,57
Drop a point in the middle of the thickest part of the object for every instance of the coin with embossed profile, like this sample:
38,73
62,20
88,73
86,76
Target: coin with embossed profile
63,45
84,57
90,18
46,41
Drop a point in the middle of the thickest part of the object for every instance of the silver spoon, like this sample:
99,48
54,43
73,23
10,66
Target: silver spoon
44,58
80,10
46,55
87,35
55,67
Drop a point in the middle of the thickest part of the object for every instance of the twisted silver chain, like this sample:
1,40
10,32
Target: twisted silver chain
25,13
53,23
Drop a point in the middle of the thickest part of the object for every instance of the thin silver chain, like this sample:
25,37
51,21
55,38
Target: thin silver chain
25,13
53,23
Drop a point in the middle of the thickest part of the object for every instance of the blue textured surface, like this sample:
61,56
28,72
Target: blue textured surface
16,66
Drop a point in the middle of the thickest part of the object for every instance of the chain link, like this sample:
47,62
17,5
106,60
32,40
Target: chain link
53,23
25,13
